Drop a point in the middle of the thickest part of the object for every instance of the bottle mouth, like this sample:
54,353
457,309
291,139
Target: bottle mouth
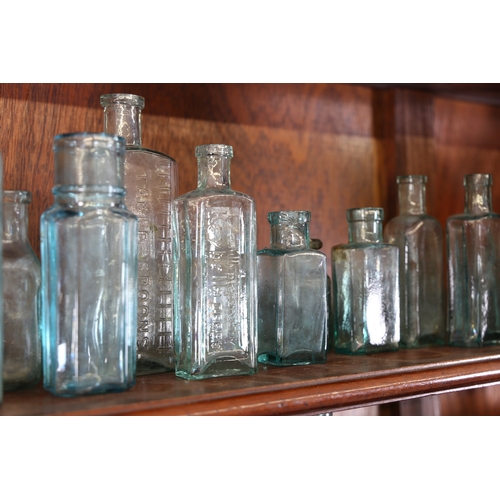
478,179
124,99
365,214
289,216
214,150
10,196
411,179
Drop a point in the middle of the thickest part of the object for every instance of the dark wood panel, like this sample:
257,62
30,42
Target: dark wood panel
343,382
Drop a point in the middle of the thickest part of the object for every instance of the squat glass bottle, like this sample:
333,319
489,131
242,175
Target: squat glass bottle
89,270
474,267
366,287
22,365
419,238
151,184
292,294
215,292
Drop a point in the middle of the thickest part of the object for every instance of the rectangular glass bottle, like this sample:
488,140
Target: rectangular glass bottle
215,293
151,186
366,287
474,268
292,294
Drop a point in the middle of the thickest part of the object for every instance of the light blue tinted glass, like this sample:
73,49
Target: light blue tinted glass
89,275
215,297
365,287
292,294
474,268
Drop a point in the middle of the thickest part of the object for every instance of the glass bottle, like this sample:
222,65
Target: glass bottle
366,287
22,366
474,267
419,238
1,280
89,270
215,284
292,303
151,184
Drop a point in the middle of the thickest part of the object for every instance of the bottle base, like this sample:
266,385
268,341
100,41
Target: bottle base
367,349
150,367
296,359
87,386
489,338
425,340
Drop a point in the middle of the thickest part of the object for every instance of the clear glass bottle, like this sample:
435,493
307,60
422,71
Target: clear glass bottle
292,303
473,245
419,238
89,270
151,184
366,287
215,284
22,366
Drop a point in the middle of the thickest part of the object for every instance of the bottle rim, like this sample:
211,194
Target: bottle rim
289,216
475,179
214,150
365,214
16,196
132,100
89,140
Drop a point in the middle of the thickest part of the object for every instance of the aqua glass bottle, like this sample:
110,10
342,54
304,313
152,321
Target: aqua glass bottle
473,245
89,270
151,184
366,287
419,238
215,285
22,366
292,301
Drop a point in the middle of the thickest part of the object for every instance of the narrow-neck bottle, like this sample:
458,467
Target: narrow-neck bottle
419,238
89,270
366,287
151,185
292,294
215,254
474,267
22,365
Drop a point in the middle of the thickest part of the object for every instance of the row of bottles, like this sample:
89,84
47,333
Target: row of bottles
136,279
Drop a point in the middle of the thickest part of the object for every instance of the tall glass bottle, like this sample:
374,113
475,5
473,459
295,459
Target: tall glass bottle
89,270
22,365
474,267
215,292
366,287
419,238
151,184
292,294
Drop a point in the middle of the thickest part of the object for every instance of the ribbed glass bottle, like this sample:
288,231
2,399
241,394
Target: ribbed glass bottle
473,245
22,366
292,294
89,270
215,285
366,287
419,238
151,184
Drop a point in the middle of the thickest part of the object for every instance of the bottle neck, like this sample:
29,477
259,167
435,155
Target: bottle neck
365,231
478,199
411,198
213,172
15,222
89,196
124,120
286,236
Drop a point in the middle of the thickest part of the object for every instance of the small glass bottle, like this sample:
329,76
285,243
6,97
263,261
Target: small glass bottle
366,287
419,238
215,285
22,366
89,270
151,184
474,268
292,302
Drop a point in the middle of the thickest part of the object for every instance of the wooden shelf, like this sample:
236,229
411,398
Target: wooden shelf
343,382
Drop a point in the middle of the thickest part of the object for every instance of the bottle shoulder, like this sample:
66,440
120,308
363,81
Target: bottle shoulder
141,151
290,253
466,217
58,212
372,247
214,196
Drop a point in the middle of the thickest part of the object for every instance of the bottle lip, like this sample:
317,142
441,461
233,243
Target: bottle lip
289,216
88,140
16,196
126,99
365,214
478,179
411,179
214,150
